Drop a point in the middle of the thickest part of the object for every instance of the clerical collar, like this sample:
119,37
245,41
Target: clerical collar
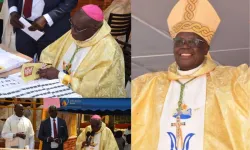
189,72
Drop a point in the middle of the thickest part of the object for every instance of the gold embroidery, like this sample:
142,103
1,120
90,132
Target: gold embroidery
190,8
195,26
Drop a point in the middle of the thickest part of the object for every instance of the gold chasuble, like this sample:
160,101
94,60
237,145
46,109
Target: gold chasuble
106,140
101,72
227,122
226,111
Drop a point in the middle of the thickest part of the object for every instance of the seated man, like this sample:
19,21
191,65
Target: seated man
87,58
96,136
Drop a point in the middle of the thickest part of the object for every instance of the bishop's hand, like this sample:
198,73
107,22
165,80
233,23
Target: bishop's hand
48,73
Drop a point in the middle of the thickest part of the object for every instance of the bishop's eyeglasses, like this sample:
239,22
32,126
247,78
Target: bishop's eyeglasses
75,28
179,42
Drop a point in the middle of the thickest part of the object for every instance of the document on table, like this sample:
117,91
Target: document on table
36,35
8,82
34,89
10,61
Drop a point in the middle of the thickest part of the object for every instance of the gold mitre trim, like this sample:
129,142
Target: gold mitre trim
196,16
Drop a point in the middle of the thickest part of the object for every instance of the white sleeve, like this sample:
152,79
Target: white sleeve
12,9
6,132
48,19
31,136
31,142
31,131
61,76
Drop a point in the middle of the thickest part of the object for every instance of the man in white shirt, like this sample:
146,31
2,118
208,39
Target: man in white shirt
49,16
53,131
18,131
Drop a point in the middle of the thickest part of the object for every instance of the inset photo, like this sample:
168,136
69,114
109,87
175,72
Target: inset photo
65,49
190,75
65,124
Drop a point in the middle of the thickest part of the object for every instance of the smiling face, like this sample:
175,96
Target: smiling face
189,50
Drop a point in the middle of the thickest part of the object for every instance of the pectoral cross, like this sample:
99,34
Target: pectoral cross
179,138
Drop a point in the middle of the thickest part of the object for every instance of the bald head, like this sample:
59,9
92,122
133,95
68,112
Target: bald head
18,110
85,23
96,123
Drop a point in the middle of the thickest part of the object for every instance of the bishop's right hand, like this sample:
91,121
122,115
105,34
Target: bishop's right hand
14,20
21,135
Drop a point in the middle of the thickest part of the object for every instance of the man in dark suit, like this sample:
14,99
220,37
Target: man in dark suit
53,131
50,16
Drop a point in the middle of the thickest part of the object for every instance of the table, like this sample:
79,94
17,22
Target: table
14,149
5,74
52,88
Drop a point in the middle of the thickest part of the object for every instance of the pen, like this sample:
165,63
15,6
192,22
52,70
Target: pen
35,58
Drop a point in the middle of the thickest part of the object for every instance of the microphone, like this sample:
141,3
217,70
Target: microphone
88,139
89,135
92,133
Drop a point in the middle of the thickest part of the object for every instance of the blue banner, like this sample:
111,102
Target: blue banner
94,104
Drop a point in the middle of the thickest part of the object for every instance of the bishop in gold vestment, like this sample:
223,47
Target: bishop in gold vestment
226,112
88,59
101,137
